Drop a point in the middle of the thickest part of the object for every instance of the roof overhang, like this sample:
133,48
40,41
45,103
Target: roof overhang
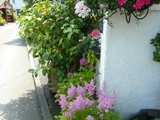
5,4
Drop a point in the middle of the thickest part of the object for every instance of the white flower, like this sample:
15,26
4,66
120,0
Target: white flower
82,10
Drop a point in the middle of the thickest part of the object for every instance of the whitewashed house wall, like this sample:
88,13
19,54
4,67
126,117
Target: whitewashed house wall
126,63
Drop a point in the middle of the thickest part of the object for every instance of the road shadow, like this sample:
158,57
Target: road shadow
24,108
16,42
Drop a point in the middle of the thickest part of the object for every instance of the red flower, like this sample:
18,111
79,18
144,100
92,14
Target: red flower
140,3
95,33
121,2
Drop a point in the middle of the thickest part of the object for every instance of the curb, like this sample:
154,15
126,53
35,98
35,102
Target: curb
40,91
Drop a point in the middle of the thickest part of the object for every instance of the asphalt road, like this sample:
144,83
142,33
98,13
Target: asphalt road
18,98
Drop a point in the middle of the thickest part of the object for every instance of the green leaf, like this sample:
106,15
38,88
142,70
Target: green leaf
31,70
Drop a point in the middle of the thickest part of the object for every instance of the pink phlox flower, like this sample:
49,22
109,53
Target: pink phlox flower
104,85
63,101
90,87
87,85
101,5
68,114
122,9
106,110
106,103
117,10
89,102
83,61
95,33
71,92
80,90
73,106
110,103
121,2
80,103
89,117
69,74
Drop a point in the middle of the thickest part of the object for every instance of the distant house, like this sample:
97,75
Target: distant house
17,4
7,11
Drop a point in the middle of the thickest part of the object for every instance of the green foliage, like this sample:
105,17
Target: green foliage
54,32
156,43
2,21
85,74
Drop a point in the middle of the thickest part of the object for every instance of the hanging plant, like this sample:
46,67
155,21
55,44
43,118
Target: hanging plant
138,8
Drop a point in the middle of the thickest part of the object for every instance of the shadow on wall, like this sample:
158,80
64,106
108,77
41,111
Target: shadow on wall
23,108
16,42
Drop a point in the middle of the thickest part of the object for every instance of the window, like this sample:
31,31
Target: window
14,1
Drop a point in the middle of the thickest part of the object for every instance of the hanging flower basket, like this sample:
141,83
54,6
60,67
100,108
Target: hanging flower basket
98,8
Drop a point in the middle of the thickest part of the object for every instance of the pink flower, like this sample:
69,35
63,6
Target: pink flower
71,91
89,117
80,103
89,102
121,2
140,3
95,33
118,10
63,101
80,90
104,85
101,5
83,61
68,114
90,87
72,106
69,74
81,9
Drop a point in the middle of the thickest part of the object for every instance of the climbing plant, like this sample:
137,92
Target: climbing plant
156,43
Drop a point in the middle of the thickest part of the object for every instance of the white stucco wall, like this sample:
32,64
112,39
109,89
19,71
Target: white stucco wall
18,4
126,62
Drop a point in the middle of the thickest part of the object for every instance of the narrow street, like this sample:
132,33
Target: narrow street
18,98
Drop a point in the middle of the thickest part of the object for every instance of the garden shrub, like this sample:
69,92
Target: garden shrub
58,36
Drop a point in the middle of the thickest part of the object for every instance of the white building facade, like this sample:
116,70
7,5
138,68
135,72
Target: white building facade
126,62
